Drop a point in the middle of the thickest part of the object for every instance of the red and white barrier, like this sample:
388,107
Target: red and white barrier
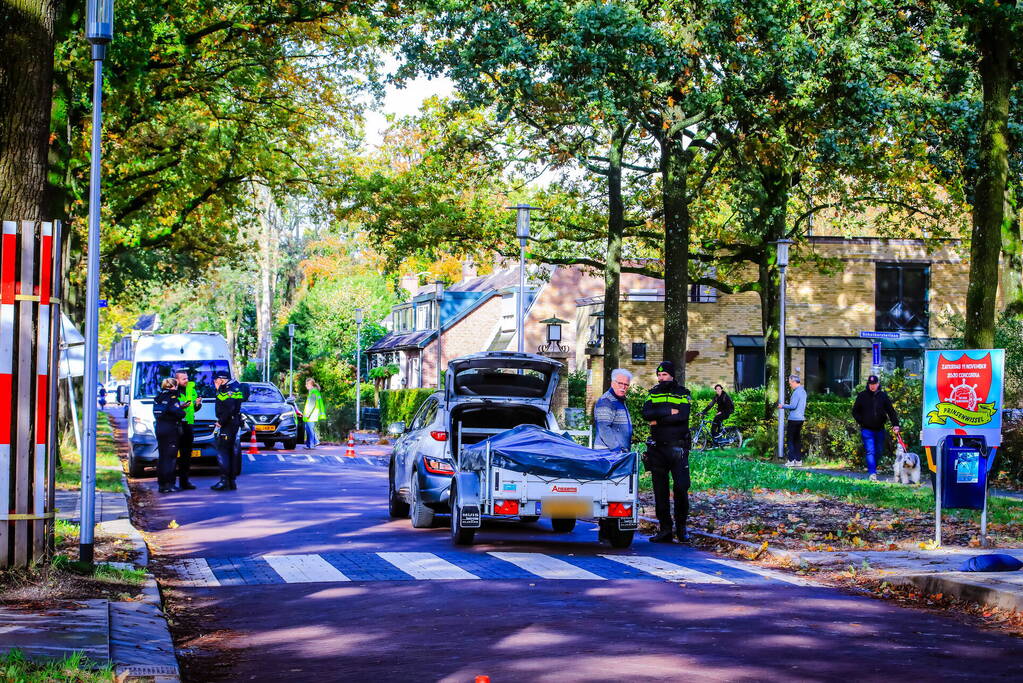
8,254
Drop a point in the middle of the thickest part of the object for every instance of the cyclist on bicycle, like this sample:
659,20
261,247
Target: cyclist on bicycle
725,407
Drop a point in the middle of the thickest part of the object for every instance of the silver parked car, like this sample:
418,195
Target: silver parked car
493,390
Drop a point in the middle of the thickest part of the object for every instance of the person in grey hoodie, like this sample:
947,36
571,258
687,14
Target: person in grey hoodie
611,416
794,426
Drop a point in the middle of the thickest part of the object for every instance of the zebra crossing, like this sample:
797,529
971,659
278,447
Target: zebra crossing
312,458
336,567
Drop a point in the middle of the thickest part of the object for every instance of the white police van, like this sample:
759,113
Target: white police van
156,358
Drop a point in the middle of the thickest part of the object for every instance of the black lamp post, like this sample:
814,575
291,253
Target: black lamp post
553,335
783,262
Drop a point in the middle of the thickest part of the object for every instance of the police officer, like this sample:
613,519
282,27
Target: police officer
667,453
169,412
191,401
229,420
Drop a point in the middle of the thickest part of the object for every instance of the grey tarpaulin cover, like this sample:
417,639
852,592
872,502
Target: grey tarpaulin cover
531,449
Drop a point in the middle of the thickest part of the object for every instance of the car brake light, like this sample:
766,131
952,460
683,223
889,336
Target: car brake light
506,507
439,436
437,466
619,509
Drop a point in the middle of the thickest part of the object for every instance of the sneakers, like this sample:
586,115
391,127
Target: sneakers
799,463
872,477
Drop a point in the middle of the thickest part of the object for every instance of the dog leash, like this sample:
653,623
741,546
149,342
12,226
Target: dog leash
902,443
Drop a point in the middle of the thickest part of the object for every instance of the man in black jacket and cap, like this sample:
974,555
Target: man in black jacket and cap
870,410
667,454
229,420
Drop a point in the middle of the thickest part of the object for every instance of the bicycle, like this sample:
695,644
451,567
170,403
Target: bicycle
728,437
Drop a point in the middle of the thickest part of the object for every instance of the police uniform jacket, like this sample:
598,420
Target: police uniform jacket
167,407
665,397
229,404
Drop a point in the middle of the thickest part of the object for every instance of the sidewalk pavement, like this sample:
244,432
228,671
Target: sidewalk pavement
133,636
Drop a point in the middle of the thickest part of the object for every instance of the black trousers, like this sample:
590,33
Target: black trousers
794,433
167,447
666,460
227,454
185,443
715,426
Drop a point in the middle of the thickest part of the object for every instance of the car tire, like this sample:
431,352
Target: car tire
289,445
136,470
420,514
397,508
459,536
563,526
529,519
618,538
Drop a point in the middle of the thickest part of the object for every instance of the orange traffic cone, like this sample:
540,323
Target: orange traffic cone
253,446
350,450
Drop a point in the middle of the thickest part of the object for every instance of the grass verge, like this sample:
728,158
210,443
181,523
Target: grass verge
74,668
726,470
69,476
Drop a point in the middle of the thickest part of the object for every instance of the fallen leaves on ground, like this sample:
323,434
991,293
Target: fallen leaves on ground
811,522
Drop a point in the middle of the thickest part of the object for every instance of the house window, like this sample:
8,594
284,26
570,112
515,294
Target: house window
832,371
749,368
701,294
901,297
910,360
639,351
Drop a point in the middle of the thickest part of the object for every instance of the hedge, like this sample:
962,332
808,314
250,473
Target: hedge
400,405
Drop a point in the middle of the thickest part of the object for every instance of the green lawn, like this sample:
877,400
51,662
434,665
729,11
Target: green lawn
728,470
74,668
69,476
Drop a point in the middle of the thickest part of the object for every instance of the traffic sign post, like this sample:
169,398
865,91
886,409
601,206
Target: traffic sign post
876,348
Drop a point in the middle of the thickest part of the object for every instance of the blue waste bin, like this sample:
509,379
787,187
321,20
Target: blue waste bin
964,468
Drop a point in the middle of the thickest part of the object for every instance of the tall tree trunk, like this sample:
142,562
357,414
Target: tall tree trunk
1012,250
774,212
676,253
267,260
994,41
613,268
26,90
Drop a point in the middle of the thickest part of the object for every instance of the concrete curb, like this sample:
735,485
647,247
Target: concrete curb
965,586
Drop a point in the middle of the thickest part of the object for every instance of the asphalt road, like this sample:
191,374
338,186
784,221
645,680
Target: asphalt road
300,575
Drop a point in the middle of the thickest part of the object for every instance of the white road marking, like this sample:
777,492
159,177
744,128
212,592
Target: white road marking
195,572
667,570
367,461
765,572
545,566
338,458
280,457
309,457
304,568
426,566
251,458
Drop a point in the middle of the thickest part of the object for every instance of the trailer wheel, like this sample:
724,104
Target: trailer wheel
618,538
563,526
459,536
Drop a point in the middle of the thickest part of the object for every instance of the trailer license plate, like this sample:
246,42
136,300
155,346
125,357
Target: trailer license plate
627,524
469,517
565,507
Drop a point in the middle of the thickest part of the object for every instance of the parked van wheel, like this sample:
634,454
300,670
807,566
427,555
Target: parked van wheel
563,526
136,469
422,516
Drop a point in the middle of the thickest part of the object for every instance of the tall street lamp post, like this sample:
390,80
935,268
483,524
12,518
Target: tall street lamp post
783,262
291,361
99,31
522,232
358,367
440,298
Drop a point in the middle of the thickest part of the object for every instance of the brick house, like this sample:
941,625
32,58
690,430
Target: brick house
907,286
